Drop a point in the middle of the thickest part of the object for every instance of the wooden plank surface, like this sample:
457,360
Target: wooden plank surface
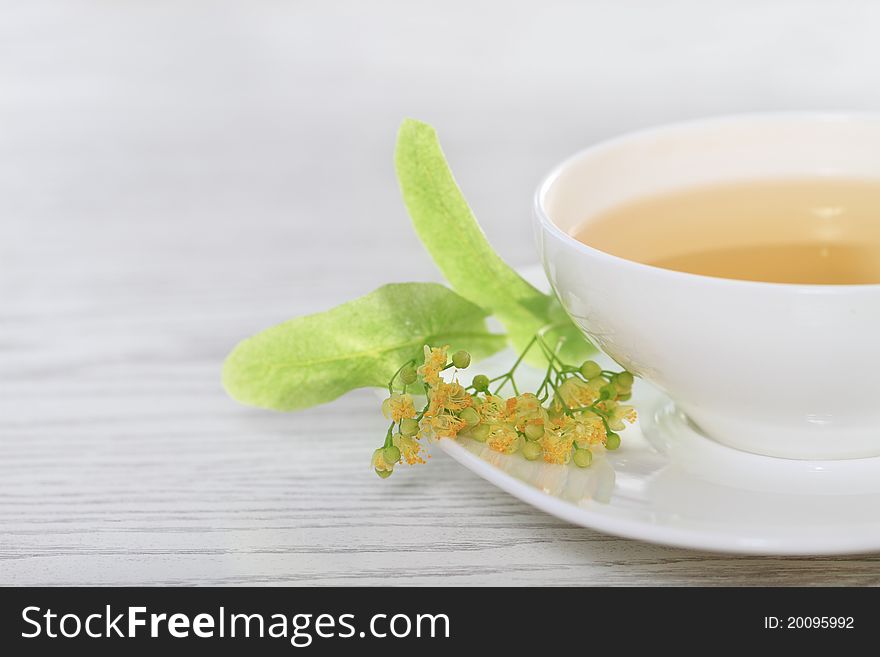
176,176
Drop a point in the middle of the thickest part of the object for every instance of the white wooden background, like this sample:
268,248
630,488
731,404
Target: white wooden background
177,175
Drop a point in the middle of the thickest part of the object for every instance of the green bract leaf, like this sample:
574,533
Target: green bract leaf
315,359
450,232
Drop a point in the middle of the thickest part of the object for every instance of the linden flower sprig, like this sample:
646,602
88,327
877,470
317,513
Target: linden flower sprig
317,358
574,410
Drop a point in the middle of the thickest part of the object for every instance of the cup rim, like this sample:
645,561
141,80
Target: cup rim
607,144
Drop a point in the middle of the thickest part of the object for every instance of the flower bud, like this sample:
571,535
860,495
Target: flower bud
612,441
582,458
624,380
480,432
531,450
408,375
481,383
461,359
608,391
391,455
534,431
470,416
409,427
590,369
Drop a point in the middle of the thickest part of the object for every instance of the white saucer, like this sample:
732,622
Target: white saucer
669,484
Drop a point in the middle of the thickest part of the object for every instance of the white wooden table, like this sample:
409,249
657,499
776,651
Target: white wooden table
176,176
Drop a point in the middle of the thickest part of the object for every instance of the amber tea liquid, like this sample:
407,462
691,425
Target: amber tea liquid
811,231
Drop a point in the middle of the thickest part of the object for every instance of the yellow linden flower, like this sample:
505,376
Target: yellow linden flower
379,462
410,449
435,361
557,441
504,438
526,409
448,397
446,425
565,428
523,406
399,407
576,393
493,409
587,429
620,413
457,397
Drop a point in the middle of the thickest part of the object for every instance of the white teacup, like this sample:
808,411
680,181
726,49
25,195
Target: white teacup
776,369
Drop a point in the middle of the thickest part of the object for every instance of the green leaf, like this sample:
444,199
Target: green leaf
315,359
452,236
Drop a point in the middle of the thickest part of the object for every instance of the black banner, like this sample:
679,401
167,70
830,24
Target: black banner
273,621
